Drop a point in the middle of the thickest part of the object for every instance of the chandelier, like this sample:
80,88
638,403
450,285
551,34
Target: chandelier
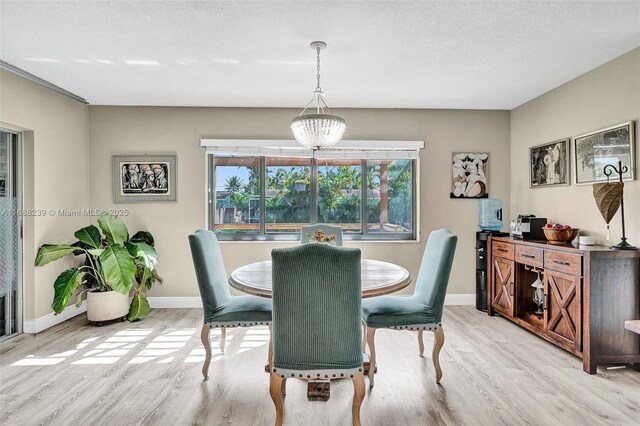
322,129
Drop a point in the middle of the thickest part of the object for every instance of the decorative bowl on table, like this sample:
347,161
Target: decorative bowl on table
560,235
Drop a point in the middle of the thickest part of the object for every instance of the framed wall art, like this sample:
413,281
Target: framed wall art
469,175
549,164
141,178
596,149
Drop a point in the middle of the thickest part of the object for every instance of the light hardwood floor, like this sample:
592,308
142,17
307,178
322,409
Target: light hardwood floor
149,373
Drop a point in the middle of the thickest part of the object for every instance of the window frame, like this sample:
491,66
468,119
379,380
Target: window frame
262,235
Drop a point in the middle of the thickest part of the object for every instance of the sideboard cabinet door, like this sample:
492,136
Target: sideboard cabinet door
563,310
503,285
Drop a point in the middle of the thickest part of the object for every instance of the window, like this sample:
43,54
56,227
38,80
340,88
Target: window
237,195
339,194
287,194
389,196
272,198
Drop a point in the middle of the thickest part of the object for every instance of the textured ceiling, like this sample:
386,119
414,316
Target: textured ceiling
381,54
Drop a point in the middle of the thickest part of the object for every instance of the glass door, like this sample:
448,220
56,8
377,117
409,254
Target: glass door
10,236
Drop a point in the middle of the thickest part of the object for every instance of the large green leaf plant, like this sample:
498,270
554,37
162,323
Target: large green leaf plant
113,261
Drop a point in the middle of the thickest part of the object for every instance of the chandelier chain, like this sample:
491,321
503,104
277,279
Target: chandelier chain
318,69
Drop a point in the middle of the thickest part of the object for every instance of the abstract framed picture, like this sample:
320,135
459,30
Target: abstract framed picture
144,178
594,150
469,175
549,164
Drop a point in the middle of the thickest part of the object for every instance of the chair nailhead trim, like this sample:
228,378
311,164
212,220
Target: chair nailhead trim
236,324
414,327
312,375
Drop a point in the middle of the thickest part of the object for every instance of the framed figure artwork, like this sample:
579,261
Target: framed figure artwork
144,178
549,164
469,175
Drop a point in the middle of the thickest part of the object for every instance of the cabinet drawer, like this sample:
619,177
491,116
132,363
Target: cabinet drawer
563,262
501,249
529,256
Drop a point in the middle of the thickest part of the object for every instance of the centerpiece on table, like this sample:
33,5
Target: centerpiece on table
320,237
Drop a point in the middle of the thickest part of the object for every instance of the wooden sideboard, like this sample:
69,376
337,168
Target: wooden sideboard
589,293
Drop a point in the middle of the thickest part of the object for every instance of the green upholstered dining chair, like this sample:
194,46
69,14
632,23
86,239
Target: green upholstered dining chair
421,311
316,330
221,309
328,230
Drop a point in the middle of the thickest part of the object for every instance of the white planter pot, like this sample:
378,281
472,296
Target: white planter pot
105,306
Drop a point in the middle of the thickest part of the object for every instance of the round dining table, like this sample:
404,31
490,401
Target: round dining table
377,278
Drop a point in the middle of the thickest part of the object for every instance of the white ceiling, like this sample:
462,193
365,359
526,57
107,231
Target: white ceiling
412,54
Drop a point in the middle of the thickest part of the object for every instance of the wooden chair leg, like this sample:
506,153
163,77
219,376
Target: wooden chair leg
421,342
270,351
284,387
364,337
204,337
437,345
223,337
275,390
371,334
358,397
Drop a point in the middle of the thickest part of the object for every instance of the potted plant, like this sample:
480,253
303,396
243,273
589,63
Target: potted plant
114,264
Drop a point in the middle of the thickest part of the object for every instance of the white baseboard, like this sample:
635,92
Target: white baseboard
49,320
175,302
460,299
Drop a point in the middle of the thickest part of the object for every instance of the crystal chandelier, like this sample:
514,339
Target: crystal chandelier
322,129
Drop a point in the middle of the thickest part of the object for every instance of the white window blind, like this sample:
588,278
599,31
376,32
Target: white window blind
346,149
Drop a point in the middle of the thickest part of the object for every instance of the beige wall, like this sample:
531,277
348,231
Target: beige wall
605,96
56,159
138,130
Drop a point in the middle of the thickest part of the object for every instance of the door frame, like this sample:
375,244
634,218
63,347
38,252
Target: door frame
17,173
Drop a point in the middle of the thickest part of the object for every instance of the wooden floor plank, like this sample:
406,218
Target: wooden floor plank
148,373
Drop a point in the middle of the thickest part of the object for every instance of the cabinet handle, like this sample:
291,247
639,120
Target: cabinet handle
545,302
503,250
528,256
560,262
511,289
